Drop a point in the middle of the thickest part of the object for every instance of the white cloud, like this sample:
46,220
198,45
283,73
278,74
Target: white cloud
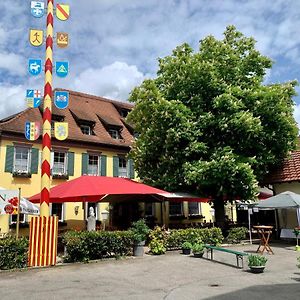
114,43
297,114
114,81
12,63
12,99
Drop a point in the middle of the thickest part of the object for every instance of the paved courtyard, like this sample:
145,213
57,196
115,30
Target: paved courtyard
171,276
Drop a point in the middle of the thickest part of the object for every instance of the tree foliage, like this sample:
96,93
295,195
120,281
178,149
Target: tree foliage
208,123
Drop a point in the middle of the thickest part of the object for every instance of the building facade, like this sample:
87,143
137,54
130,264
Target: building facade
98,143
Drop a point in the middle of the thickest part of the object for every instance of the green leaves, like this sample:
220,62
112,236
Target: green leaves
13,253
207,122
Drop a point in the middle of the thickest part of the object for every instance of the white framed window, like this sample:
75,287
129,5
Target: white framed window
123,167
149,209
88,205
13,219
194,208
59,162
86,129
175,209
114,133
57,209
94,166
22,160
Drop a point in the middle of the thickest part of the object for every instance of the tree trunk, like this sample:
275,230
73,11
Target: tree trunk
219,207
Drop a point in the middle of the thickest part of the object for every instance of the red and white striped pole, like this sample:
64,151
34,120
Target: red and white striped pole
46,155
44,229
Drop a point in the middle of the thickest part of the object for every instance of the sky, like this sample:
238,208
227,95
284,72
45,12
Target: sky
115,44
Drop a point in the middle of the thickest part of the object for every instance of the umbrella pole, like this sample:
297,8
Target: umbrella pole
276,224
249,224
18,215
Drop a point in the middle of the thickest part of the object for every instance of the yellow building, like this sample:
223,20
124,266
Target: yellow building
98,143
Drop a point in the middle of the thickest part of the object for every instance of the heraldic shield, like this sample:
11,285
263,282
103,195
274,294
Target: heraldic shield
61,130
36,37
62,11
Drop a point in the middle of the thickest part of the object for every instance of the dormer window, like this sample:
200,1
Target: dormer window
124,113
86,129
115,134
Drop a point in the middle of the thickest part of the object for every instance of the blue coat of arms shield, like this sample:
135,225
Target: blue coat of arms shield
62,68
61,99
35,66
37,8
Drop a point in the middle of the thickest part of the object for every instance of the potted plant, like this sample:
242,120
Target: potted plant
186,248
297,232
257,263
140,232
198,250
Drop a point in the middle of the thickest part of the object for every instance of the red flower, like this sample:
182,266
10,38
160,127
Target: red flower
14,201
9,209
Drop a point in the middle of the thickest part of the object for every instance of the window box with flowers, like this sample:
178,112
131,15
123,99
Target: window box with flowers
60,176
23,174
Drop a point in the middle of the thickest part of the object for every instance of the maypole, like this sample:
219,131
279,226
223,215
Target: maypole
46,154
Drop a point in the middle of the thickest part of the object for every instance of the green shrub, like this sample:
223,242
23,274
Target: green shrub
186,245
85,245
157,247
256,260
140,231
211,236
198,248
158,240
237,234
13,253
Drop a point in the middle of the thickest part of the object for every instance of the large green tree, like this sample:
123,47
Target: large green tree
207,123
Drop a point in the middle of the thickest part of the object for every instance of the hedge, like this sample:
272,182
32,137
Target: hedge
89,245
211,236
13,253
236,234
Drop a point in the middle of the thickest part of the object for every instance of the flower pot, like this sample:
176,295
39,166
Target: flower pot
200,254
138,249
257,269
186,251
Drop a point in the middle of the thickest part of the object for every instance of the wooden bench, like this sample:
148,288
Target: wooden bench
239,255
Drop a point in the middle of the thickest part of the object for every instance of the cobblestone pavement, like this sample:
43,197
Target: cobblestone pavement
170,276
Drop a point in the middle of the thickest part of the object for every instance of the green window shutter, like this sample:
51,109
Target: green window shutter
131,168
34,161
103,165
116,166
9,159
71,163
84,163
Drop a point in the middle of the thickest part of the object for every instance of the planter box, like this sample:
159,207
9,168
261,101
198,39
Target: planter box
199,255
257,269
186,251
138,249
19,174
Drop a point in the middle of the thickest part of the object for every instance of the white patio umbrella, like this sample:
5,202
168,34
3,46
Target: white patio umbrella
26,207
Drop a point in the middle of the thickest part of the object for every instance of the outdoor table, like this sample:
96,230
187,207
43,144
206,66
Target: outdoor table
264,233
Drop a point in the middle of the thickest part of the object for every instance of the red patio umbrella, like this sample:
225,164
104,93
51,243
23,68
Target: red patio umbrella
93,188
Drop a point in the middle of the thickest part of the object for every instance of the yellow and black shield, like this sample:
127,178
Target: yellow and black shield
36,37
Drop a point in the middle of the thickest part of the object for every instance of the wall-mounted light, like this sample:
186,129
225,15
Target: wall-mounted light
76,209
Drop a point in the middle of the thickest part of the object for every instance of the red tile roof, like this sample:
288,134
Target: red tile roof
84,107
289,171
